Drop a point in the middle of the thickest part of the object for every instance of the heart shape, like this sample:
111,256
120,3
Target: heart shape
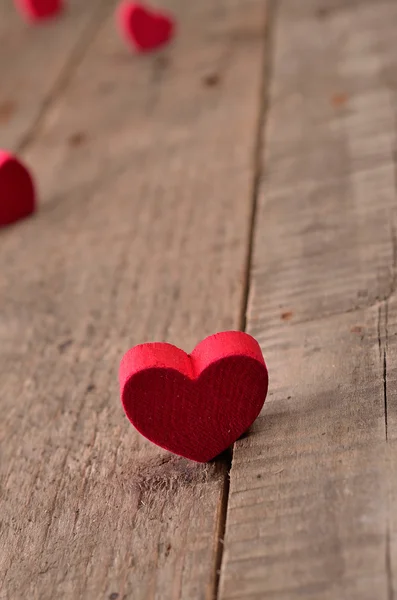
144,29
37,10
195,405
17,193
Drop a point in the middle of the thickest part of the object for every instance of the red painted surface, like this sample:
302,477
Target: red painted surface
17,193
195,405
143,29
38,10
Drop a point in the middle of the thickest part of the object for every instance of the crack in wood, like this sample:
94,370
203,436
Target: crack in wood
385,391
388,565
383,339
267,62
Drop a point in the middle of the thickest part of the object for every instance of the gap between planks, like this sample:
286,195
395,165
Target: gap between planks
267,65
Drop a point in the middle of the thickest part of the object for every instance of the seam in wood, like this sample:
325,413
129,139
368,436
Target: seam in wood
257,157
385,391
264,92
379,331
383,348
76,56
222,527
389,575
383,314
393,285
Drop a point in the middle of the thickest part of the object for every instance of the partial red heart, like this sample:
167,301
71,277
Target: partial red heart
144,29
17,193
195,405
37,10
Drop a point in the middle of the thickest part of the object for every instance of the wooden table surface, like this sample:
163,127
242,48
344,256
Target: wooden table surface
243,178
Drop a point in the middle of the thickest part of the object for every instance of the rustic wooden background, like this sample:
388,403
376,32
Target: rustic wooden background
244,177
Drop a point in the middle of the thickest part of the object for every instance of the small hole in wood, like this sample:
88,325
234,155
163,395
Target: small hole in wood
64,345
356,329
77,139
211,80
287,315
322,12
339,100
7,110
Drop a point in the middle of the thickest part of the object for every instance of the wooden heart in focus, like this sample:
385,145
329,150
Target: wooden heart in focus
195,405
142,28
17,194
37,10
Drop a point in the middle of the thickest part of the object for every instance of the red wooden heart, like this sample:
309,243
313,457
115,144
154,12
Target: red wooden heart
195,405
17,194
144,29
37,10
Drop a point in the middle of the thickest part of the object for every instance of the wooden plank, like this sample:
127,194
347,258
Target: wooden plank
311,510
36,61
145,167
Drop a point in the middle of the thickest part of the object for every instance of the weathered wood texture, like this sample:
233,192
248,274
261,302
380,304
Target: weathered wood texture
145,168
36,61
312,506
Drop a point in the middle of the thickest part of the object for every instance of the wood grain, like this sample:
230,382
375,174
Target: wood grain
145,175
35,63
311,510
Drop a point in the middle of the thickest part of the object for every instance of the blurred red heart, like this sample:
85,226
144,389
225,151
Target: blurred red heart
195,405
36,10
142,28
17,194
